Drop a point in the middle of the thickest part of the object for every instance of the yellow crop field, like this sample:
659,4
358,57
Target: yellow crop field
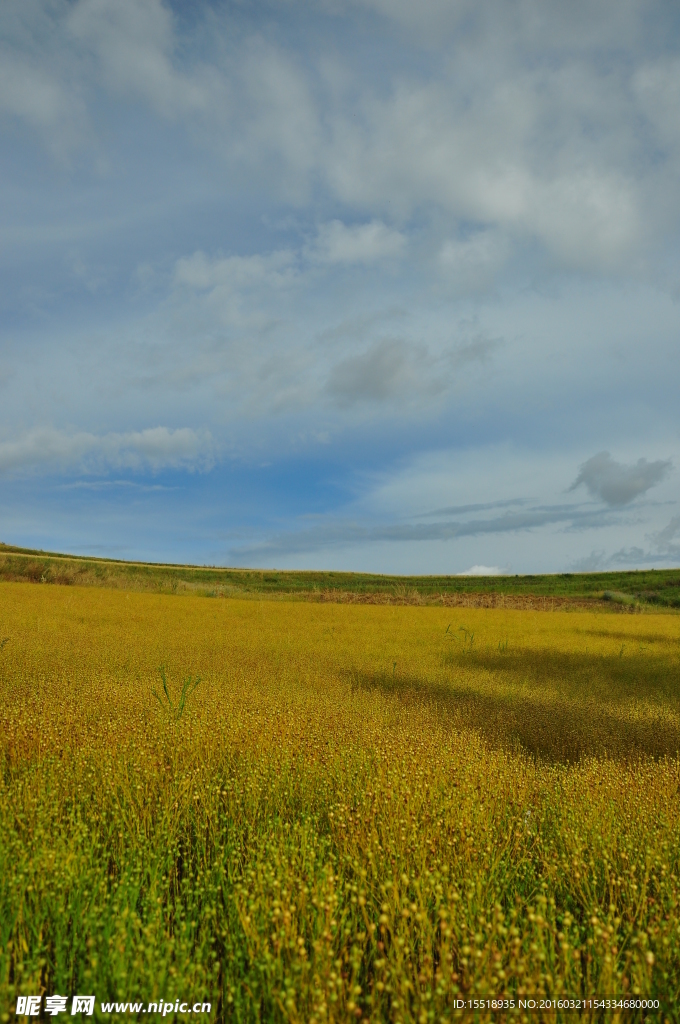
337,812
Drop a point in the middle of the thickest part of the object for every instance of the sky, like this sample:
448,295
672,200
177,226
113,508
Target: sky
369,285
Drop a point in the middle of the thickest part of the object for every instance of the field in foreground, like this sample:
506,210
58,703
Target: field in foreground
363,812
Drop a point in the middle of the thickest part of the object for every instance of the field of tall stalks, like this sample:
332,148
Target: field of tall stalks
336,812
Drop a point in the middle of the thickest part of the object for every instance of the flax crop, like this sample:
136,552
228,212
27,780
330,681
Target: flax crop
362,813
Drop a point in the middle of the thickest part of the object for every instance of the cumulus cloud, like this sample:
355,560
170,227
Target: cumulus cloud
153,449
617,484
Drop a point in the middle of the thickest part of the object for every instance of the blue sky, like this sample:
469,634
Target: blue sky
369,285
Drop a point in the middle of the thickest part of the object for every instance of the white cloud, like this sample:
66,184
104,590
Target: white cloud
423,146
153,449
233,273
133,44
357,243
552,25
482,570
41,86
657,89
233,292
33,93
277,133
471,262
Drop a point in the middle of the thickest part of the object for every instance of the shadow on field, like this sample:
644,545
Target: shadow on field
631,640
558,707
627,676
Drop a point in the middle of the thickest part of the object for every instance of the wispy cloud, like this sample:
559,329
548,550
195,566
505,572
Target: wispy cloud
346,533
457,510
107,485
153,449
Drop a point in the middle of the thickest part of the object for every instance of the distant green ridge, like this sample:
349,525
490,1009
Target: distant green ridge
660,587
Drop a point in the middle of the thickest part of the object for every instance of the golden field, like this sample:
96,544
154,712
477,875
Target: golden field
364,812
